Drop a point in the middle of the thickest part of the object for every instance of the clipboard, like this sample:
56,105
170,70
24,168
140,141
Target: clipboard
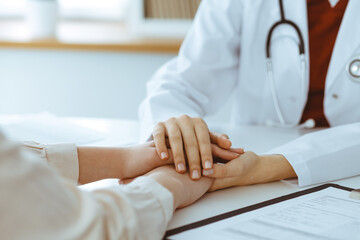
251,208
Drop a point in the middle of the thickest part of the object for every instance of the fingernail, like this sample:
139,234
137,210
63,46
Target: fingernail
224,137
208,172
195,174
207,165
181,167
163,155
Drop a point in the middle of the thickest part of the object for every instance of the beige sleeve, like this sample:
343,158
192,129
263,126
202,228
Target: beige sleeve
38,203
62,157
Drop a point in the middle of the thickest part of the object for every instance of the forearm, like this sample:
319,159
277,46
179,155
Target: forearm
66,212
100,163
276,167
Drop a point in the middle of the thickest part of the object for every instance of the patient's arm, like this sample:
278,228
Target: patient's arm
96,163
129,162
37,203
89,164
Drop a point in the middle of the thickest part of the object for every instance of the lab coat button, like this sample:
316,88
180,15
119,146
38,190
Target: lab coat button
335,96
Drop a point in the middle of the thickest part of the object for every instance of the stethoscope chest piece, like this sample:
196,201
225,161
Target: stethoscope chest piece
353,69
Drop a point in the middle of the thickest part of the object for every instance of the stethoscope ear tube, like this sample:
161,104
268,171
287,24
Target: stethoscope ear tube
284,21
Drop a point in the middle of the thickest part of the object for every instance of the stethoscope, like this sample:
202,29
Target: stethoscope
353,70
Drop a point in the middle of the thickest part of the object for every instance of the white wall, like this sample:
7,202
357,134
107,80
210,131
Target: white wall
75,83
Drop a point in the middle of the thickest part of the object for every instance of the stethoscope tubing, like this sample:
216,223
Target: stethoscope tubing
352,68
270,73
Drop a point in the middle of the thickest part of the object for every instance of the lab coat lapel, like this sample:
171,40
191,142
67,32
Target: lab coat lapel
347,41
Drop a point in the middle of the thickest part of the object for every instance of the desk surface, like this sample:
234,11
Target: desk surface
255,138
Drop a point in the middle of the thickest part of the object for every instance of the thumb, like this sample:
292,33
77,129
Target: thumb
231,169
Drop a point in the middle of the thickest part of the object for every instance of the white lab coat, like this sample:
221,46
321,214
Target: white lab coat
224,52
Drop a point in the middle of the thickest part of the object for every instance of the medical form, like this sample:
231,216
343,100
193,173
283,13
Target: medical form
327,214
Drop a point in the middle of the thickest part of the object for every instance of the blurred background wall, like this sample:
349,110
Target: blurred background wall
74,83
97,62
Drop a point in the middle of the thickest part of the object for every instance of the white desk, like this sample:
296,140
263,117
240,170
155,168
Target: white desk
258,139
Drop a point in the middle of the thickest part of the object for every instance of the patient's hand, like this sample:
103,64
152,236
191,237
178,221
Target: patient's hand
184,190
249,168
97,163
143,158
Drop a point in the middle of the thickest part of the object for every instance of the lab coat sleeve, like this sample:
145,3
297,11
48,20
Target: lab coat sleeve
200,80
38,203
324,156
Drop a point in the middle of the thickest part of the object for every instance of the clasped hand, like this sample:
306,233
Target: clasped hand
194,147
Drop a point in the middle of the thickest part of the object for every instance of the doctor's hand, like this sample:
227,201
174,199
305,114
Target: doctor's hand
249,169
190,142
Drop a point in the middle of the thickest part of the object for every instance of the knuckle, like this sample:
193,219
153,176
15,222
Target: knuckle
199,121
251,154
191,143
184,116
205,142
176,137
158,128
171,120
157,133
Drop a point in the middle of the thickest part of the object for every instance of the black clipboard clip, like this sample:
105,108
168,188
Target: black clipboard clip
355,194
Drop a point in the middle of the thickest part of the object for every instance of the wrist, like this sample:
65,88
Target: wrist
117,162
174,186
278,167
100,163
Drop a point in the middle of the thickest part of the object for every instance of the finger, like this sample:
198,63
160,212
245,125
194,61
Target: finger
203,138
221,183
237,150
176,144
231,169
222,140
191,146
223,153
159,135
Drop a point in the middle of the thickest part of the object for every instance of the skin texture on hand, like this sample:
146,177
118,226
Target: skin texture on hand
249,169
97,163
190,141
184,190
